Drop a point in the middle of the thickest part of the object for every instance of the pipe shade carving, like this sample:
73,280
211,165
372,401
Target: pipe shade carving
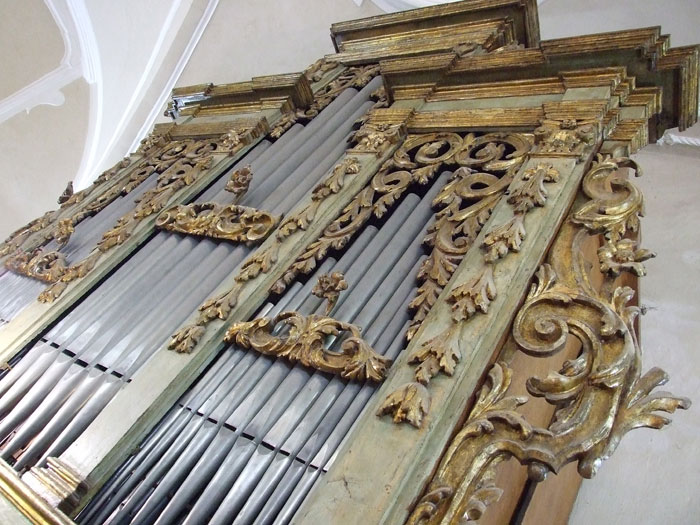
231,223
305,343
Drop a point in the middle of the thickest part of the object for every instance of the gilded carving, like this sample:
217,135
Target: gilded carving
47,267
179,165
352,77
375,138
305,343
466,202
599,396
63,231
566,138
441,354
239,182
328,287
316,71
228,222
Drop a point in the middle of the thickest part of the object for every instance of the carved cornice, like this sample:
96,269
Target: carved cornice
523,15
599,396
284,92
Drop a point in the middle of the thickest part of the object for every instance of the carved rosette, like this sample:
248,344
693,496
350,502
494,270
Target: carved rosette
599,396
239,181
305,343
208,219
328,287
441,354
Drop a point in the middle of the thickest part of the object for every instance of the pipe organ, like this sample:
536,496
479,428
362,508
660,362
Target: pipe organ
325,297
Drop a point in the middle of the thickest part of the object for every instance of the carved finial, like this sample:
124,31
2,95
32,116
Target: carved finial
329,287
240,181
67,193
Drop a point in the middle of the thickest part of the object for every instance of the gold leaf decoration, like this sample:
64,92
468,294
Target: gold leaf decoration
410,403
531,191
599,396
502,239
239,181
208,219
305,343
473,296
328,287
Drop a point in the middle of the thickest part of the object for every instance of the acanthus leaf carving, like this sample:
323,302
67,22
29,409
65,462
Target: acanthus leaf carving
208,219
599,396
566,137
178,164
305,343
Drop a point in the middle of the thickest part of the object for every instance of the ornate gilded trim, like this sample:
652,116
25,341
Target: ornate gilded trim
328,287
565,138
28,502
46,267
440,354
305,343
599,396
208,219
179,164
239,182
355,77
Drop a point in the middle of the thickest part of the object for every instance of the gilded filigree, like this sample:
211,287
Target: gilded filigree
305,342
179,165
328,287
567,138
228,222
599,396
466,201
47,267
352,77
376,138
239,182
440,354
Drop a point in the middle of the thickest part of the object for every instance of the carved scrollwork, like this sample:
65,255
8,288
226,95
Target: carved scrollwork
466,202
305,343
441,354
208,219
352,77
565,138
599,396
179,164
47,267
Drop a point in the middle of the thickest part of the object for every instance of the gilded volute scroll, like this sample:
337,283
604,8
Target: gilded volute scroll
599,396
